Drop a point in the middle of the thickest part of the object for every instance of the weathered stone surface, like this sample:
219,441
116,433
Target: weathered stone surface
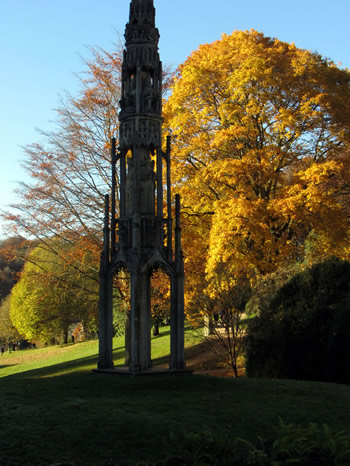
144,237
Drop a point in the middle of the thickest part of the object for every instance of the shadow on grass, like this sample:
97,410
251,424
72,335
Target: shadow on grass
56,407
82,365
85,364
161,334
76,365
79,365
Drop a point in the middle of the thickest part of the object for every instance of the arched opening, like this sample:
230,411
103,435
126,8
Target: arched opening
121,317
160,318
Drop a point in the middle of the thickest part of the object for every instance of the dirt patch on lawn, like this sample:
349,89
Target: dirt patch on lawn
209,358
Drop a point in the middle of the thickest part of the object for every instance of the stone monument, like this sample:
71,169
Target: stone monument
141,239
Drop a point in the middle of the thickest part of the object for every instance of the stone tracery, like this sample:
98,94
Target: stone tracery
141,239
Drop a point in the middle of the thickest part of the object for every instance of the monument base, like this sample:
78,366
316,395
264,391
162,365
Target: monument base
148,372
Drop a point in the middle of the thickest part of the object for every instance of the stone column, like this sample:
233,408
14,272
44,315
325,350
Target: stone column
177,318
105,300
145,321
181,318
140,323
127,339
177,357
106,322
134,362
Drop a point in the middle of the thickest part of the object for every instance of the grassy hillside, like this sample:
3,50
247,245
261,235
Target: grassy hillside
54,409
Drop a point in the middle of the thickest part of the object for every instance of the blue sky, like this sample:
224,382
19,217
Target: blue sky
42,43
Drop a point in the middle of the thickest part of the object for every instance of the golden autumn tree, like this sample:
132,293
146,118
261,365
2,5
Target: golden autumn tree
261,133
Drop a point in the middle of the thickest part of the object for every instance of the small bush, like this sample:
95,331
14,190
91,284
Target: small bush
305,333
307,446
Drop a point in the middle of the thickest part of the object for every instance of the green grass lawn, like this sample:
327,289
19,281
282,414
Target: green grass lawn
55,409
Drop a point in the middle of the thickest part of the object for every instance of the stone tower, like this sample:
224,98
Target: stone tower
141,239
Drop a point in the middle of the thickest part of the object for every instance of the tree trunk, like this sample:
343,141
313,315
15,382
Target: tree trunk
65,335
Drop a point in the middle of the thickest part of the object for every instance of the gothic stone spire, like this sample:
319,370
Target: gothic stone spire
141,27
144,234
141,111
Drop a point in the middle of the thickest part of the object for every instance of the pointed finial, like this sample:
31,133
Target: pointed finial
141,26
141,11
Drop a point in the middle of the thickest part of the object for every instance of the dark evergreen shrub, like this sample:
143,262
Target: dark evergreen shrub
305,333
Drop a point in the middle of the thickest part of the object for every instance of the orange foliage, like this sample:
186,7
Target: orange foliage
261,134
